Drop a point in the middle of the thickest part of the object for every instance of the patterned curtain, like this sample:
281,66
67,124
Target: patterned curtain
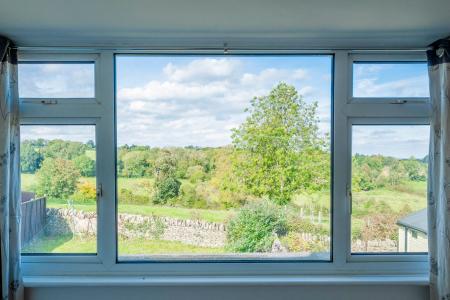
439,171
11,284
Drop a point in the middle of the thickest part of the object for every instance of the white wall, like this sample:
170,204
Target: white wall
303,292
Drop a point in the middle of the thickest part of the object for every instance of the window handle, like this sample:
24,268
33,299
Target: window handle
349,197
99,191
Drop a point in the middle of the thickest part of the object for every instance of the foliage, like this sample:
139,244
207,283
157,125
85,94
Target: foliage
31,156
85,193
63,149
166,189
278,148
190,198
136,164
254,227
57,178
85,165
296,243
126,196
378,171
167,186
195,174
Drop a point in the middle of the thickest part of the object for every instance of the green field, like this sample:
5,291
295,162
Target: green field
71,244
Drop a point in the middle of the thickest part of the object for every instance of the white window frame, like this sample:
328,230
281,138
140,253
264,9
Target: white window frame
100,112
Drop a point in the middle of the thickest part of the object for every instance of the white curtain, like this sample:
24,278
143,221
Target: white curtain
439,171
11,283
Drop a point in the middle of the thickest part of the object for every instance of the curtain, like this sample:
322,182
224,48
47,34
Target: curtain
439,171
11,284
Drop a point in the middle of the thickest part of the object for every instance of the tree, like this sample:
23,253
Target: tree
64,149
57,178
278,147
136,164
167,186
31,155
85,165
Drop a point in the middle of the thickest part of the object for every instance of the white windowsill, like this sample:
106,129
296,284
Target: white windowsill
69,281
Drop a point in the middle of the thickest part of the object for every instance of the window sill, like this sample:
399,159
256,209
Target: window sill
70,281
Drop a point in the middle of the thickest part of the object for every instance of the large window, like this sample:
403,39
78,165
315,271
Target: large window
224,156
249,163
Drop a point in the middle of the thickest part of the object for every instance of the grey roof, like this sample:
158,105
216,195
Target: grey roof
417,220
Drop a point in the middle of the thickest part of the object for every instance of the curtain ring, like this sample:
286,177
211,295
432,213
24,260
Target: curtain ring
440,52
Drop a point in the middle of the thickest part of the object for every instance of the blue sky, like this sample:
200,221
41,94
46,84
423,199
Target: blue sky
197,100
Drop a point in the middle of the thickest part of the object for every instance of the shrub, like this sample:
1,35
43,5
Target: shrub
57,178
195,174
166,189
126,196
85,165
254,227
86,192
190,198
295,243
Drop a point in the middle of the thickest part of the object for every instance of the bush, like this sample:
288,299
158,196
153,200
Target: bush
57,178
195,174
85,165
86,192
190,198
254,227
166,189
295,243
126,196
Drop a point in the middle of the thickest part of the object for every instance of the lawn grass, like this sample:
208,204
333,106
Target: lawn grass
74,244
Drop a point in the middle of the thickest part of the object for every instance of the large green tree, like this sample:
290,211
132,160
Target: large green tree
279,150
57,178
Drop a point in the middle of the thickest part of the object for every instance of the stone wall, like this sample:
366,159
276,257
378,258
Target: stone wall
193,232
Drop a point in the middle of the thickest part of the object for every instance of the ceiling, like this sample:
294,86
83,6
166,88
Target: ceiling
239,23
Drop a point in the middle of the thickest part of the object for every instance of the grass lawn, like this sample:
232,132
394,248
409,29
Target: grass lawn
74,244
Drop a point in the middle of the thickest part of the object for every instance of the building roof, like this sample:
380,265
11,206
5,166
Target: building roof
417,220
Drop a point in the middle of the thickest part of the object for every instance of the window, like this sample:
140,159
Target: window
390,80
224,157
59,207
193,175
56,80
389,186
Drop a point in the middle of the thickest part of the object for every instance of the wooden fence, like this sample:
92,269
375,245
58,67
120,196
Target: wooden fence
33,218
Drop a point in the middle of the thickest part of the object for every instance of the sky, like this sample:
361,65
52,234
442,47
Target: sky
197,100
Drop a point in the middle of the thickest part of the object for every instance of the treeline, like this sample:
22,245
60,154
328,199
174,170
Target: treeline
33,153
376,171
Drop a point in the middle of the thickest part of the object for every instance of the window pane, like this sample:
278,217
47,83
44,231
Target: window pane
56,80
207,170
390,80
59,207
389,188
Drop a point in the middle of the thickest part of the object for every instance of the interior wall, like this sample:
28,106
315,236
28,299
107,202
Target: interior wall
278,292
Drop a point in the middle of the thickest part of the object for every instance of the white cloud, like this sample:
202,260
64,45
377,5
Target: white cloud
56,80
202,69
408,87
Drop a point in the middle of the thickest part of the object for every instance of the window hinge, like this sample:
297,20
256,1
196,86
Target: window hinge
99,191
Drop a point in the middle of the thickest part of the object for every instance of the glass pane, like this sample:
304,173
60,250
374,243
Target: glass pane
59,206
390,80
207,170
56,80
389,188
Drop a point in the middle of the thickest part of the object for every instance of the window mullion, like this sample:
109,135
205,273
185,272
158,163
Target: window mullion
106,163
341,221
